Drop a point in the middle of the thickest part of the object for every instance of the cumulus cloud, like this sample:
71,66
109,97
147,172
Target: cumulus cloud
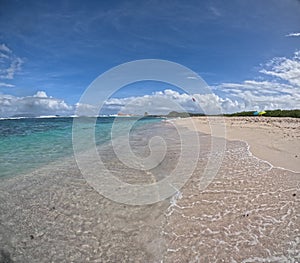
293,35
260,95
36,105
249,95
162,102
157,103
86,110
41,94
282,92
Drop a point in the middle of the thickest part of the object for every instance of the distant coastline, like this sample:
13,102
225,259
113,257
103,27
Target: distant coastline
269,113
173,114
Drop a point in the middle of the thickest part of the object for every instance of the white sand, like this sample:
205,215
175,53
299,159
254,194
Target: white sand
276,140
248,213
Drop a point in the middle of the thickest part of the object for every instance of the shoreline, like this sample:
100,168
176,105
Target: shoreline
274,140
66,219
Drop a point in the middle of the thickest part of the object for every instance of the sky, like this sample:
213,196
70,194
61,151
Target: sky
248,52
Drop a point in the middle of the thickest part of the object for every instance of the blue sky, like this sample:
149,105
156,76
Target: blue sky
60,47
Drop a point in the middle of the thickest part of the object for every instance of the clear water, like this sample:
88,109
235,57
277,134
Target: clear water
249,213
27,144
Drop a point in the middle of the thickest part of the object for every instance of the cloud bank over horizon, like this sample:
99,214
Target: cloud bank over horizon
37,105
280,89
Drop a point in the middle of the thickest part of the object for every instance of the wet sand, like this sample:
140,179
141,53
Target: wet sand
249,213
276,140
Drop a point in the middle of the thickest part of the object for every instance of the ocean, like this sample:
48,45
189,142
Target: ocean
30,143
49,213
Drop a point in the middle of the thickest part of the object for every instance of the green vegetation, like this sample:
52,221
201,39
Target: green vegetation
183,114
269,113
243,113
175,114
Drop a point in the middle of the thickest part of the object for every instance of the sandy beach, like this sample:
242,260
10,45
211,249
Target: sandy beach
248,213
276,140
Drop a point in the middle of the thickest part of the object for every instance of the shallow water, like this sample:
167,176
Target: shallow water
249,213
29,143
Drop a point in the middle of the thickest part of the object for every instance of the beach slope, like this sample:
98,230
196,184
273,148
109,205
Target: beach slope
276,140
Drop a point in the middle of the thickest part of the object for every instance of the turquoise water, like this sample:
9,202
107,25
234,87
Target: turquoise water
27,144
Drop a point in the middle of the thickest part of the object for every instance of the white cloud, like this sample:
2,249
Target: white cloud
281,92
293,35
285,68
216,12
162,102
14,67
157,103
10,64
260,95
2,84
3,56
40,94
257,87
4,48
249,95
86,110
36,105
